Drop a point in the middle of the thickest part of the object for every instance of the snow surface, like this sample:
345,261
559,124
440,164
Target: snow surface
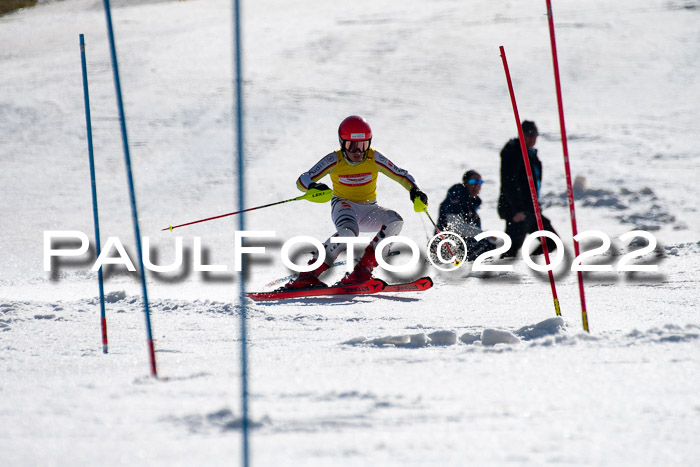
477,370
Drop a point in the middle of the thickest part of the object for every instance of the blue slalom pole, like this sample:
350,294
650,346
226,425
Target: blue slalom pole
93,184
134,211
241,204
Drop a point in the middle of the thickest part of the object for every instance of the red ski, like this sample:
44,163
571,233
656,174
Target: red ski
372,286
424,283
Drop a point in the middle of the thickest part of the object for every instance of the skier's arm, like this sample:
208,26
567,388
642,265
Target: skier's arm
317,172
403,178
394,172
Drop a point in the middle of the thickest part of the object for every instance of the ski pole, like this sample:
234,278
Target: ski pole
420,207
314,195
528,170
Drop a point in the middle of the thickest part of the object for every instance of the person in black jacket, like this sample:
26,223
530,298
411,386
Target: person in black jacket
458,214
515,201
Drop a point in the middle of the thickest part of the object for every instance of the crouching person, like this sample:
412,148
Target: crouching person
458,214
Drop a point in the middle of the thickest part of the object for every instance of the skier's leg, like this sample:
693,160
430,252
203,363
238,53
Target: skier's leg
374,218
344,217
345,220
391,225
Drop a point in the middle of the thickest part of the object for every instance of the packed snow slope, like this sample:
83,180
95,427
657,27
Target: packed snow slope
478,370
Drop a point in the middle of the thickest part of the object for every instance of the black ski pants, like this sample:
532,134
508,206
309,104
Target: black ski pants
517,231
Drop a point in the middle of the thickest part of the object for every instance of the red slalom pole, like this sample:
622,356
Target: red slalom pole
569,188
530,180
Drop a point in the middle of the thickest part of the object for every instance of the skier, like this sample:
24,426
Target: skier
458,214
354,169
515,202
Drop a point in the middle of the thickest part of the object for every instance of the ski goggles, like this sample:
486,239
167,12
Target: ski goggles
356,146
473,181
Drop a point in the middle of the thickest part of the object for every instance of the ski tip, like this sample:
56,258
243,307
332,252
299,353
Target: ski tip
286,292
424,283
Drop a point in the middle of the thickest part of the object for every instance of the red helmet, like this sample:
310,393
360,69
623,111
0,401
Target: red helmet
354,128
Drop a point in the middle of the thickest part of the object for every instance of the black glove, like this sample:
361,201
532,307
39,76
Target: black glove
416,193
318,186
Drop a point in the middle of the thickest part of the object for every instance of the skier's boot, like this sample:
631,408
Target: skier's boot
363,269
308,279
